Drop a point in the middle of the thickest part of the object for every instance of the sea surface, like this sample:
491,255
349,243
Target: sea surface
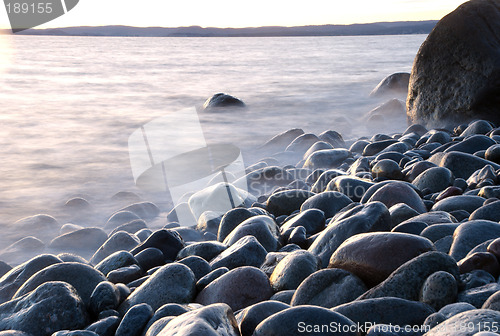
68,105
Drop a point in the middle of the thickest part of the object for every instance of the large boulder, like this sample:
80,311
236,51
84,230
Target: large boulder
456,73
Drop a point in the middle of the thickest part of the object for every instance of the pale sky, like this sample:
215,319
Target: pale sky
236,13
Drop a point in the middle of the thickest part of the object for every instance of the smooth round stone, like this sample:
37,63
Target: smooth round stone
251,316
272,260
82,277
333,138
463,202
43,227
262,181
476,278
198,265
207,250
105,326
232,219
68,227
361,166
283,296
287,201
471,144
434,179
450,191
247,251
462,165
263,228
480,261
302,143
120,241
414,228
116,261
168,310
477,320
489,192
359,146
74,333
238,288
394,156
50,307
477,296
213,320
326,158
434,217
167,241
416,169
312,220
437,231
172,283
362,218
149,258
145,210
489,211
324,179
376,147
211,276
319,145
143,234
4,268
494,248
104,297
298,236
387,168
397,192
293,269
409,278
125,274
328,288
444,244
304,320
25,248
330,202
401,212
16,277
493,153
470,234
387,310
374,256
131,227
439,289
135,320
493,302
352,187
188,234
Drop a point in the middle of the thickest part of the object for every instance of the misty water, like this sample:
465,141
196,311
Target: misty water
69,104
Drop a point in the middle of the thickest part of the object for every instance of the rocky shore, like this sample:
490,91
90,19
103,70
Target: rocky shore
363,237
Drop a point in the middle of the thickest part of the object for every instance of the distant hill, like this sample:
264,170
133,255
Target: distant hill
379,28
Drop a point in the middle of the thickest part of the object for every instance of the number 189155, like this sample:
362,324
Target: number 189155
31,8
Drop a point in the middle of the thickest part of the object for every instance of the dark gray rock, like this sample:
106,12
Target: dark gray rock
439,290
408,279
125,274
293,269
145,210
471,144
214,320
75,333
477,296
468,203
135,320
23,249
43,227
283,296
398,192
387,169
104,297
326,158
115,261
287,201
477,320
330,202
150,258
209,222
106,326
222,100
362,218
462,165
4,268
392,85
312,220
296,321
387,310
51,307
489,212
476,278
86,240
81,277
302,143
238,288
188,234
120,218
251,316
376,147
263,228
374,256
172,283
437,98
207,250
264,180
401,212
328,288
470,234
204,281
352,187
167,310
434,179
247,251
231,220
198,265
272,260
167,241
16,277
281,141
120,241
319,145
157,327
437,231
322,181
131,227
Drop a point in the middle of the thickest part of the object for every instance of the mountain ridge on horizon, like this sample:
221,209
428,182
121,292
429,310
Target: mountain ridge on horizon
376,28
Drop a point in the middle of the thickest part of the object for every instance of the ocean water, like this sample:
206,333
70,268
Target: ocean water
69,104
